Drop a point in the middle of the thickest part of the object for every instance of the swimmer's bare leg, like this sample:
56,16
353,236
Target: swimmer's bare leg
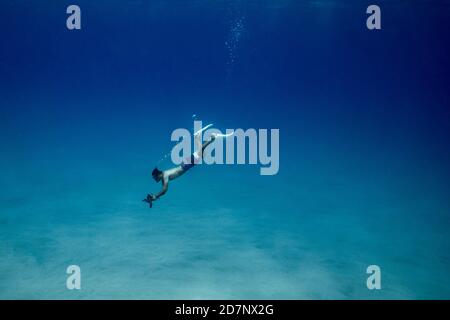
200,147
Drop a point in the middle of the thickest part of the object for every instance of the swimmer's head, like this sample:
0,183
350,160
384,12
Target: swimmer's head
157,174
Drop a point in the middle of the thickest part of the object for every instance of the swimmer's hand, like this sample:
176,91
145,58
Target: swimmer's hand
150,198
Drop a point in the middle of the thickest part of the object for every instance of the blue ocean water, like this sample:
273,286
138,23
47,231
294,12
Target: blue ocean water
364,159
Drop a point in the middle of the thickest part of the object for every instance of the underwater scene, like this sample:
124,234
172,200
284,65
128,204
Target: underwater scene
340,190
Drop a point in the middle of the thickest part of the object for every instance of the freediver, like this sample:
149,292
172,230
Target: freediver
171,174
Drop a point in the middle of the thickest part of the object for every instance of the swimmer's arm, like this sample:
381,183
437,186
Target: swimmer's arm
165,187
